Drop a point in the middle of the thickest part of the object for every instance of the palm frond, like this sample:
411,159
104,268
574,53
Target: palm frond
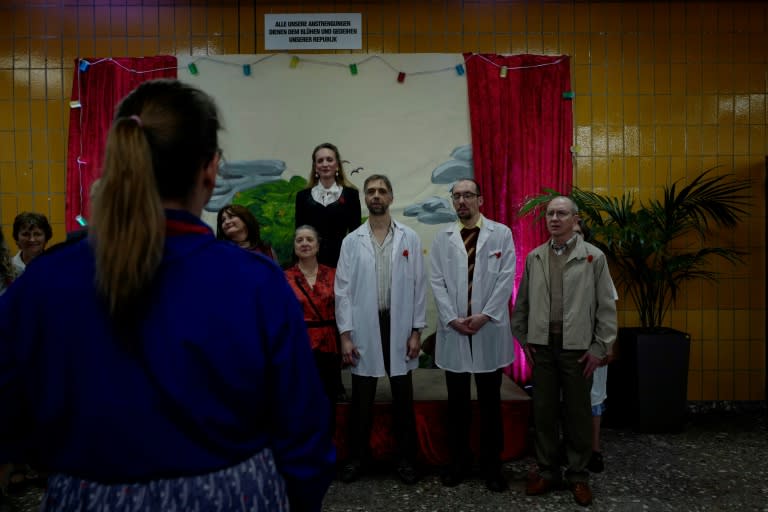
641,240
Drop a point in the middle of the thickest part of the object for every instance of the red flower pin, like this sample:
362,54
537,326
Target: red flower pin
342,200
497,254
589,258
405,253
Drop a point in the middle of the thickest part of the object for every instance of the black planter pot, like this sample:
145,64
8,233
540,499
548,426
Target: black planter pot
648,380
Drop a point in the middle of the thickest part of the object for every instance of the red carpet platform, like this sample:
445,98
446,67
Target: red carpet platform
431,408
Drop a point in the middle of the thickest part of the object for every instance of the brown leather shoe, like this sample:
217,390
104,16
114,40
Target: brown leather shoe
582,494
539,485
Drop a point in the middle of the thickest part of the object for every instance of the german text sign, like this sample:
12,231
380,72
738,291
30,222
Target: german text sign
321,31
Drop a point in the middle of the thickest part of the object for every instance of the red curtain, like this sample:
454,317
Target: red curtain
522,131
99,88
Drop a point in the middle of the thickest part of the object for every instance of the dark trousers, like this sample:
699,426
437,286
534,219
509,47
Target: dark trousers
362,402
557,371
329,368
460,417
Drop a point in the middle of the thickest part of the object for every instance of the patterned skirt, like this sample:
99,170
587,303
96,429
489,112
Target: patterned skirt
252,485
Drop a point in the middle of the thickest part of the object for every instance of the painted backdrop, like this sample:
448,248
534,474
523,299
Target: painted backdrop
415,131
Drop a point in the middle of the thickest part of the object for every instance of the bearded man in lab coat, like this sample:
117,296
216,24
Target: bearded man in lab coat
380,311
472,273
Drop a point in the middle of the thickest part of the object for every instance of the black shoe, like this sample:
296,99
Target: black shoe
596,463
496,482
351,471
408,472
453,475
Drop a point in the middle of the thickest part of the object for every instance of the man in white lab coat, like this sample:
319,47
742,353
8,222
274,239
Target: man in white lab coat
380,311
472,274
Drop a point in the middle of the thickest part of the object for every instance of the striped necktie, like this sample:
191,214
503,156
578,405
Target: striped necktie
469,235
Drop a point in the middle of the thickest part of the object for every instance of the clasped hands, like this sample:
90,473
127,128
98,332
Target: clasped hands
469,325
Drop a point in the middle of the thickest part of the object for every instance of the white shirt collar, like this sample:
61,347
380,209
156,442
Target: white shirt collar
326,196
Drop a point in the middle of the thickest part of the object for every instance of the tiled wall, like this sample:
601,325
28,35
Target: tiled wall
663,90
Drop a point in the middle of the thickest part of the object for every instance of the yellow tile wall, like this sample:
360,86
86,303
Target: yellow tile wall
663,91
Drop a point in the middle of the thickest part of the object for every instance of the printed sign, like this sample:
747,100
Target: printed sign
321,31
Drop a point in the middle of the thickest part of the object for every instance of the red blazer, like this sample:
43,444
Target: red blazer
321,327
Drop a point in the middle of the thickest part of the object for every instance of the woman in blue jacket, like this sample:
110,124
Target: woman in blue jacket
128,386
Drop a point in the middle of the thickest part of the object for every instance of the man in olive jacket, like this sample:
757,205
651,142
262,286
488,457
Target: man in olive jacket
565,318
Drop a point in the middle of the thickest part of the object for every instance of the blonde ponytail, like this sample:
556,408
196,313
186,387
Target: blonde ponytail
128,221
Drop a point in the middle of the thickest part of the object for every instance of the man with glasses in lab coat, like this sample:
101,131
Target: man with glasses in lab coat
472,274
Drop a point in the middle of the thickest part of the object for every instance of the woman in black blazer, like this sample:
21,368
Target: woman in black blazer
330,203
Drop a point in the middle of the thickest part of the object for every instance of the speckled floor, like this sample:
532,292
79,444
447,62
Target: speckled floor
720,462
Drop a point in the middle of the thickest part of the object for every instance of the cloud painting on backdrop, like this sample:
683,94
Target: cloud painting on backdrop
416,132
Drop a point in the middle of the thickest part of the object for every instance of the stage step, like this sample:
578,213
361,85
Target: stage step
431,409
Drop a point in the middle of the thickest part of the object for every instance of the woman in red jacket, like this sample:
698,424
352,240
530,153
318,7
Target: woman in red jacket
312,282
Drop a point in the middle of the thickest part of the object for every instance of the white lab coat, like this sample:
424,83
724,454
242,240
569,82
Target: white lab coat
357,299
493,278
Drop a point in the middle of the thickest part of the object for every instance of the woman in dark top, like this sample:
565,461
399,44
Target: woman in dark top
330,203
31,231
237,224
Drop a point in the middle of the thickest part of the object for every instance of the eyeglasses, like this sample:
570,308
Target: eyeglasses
464,195
560,214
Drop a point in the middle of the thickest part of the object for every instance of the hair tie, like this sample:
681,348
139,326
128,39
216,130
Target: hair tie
137,119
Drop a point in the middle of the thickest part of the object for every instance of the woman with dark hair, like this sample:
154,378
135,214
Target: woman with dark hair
237,224
136,393
312,282
31,231
330,203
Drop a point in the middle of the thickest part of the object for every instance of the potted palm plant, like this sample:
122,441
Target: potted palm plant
654,247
